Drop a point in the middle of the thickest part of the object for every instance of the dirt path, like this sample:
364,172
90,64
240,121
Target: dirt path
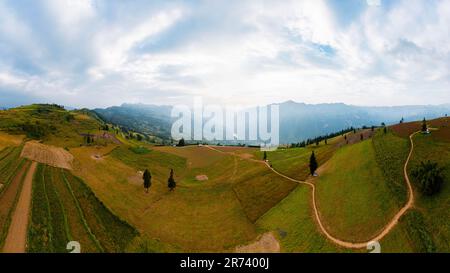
386,229
17,234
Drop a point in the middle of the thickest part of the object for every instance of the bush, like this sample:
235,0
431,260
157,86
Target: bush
429,176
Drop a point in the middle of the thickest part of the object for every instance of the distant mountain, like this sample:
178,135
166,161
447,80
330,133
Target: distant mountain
298,121
147,119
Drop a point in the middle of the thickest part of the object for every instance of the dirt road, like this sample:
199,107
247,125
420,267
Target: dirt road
386,229
17,234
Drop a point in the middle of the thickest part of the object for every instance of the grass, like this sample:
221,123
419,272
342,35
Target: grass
142,158
9,164
74,218
64,209
260,192
51,124
40,230
293,222
434,210
57,215
7,140
113,233
352,195
294,162
391,153
181,219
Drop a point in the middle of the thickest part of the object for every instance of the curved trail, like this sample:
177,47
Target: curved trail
338,241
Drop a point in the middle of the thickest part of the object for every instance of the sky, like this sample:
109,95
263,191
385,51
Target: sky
99,53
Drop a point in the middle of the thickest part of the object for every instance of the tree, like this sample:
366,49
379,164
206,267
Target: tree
362,137
385,129
181,143
147,179
429,176
171,182
313,164
424,125
265,156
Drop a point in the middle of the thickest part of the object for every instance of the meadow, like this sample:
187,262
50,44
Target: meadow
433,212
352,195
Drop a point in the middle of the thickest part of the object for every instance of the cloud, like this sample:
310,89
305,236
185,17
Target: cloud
251,52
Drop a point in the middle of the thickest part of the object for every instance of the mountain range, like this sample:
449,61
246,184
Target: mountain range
298,121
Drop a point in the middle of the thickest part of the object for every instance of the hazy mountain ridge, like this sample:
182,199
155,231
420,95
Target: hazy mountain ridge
147,119
298,121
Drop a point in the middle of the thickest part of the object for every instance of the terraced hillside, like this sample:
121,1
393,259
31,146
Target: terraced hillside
64,209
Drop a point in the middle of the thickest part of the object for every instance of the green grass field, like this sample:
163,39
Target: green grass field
433,212
293,222
352,195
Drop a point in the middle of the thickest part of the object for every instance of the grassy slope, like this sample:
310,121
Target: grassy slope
7,140
352,194
294,223
62,128
221,208
294,162
434,211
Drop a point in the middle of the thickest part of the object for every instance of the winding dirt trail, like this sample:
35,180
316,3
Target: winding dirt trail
347,244
17,234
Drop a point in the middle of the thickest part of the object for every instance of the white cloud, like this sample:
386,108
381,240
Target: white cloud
245,52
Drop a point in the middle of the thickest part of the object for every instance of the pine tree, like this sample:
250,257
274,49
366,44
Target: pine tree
424,125
313,163
181,143
171,182
147,179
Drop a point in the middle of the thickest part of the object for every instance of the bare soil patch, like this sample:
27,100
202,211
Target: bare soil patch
50,155
97,157
137,178
267,243
246,156
201,177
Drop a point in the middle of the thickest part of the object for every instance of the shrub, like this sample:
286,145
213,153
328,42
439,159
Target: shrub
429,176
